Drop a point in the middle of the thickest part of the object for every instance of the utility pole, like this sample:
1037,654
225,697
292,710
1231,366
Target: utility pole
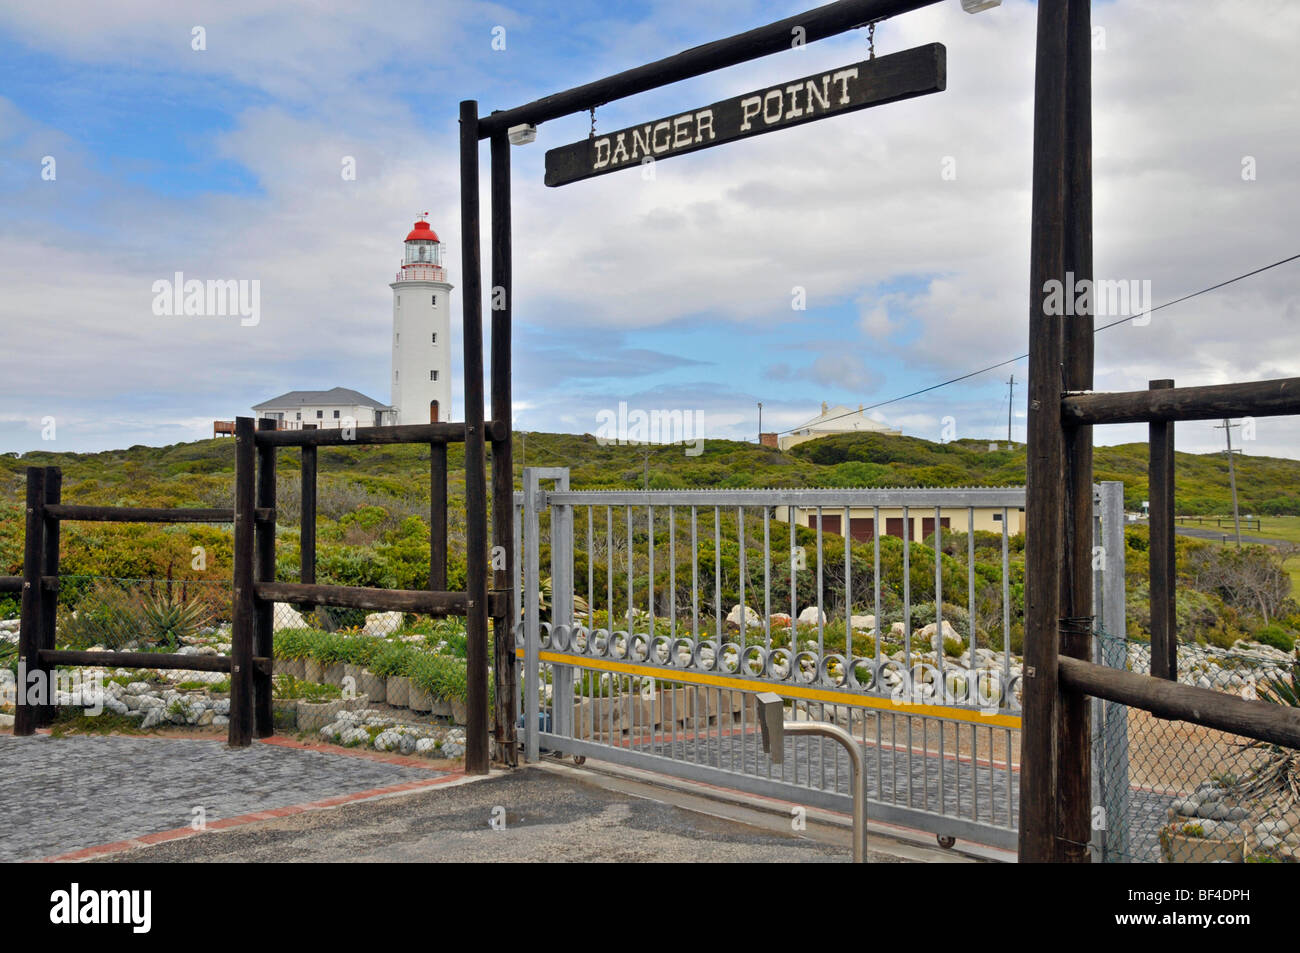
760,421
1011,384
1226,427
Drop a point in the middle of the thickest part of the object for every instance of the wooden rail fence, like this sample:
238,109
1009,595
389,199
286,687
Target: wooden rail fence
256,590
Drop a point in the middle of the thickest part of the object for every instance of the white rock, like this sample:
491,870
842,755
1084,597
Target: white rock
355,736
287,617
863,623
930,634
811,616
752,620
382,623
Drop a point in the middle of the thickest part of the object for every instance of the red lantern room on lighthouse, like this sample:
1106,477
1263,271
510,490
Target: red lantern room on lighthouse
423,259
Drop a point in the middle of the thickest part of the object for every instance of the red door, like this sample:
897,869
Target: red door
862,528
830,524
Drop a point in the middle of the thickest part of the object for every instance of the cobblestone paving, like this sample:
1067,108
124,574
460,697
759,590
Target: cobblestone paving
63,794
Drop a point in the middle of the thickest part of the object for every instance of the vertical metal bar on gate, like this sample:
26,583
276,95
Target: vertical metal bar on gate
1096,712
561,605
532,628
1113,640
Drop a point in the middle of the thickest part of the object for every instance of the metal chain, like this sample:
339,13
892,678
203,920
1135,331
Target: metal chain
871,40
592,134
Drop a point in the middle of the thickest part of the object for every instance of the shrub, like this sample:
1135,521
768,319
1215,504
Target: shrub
292,644
438,675
287,687
390,658
1276,636
328,647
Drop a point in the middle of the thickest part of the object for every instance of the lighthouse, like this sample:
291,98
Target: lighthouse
421,331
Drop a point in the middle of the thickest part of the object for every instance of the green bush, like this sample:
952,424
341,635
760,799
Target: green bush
292,644
390,659
1275,636
438,675
328,647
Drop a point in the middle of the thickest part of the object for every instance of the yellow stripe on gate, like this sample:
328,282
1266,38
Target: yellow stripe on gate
782,689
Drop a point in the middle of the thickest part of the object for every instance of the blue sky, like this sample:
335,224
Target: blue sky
224,163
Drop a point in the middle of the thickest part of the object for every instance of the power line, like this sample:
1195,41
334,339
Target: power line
994,367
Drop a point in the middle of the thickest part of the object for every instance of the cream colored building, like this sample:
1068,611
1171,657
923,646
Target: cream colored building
833,420
862,520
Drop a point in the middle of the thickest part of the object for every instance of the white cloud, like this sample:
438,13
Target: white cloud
842,208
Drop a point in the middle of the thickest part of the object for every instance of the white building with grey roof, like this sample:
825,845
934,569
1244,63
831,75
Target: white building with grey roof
326,409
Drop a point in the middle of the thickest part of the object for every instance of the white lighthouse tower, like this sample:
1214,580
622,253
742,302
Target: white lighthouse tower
421,331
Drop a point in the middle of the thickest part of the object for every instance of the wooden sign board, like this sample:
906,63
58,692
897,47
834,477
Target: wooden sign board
913,72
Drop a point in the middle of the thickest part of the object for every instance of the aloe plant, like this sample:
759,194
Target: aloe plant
1277,776
165,622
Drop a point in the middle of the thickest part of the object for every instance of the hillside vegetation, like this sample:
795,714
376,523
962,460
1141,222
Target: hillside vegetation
201,473
374,500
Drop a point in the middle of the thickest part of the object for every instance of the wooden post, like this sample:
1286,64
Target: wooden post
50,600
1160,476
1046,465
1074,747
244,625
264,571
505,718
27,716
307,521
476,622
438,517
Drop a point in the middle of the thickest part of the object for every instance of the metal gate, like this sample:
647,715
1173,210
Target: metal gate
649,618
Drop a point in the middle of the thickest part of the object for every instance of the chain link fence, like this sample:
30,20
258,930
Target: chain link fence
1175,792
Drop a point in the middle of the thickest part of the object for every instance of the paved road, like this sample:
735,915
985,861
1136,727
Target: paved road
548,818
1200,532
919,780
64,794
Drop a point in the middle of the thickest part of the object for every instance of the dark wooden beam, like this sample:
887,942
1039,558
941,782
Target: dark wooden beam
139,514
437,516
807,27
152,660
1046,463
11,583
505,733
476,557
1273,398
358,597
27,716
405,433
1074,744
1277,724
307,520
244,625
50,570
1160,496
264,571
